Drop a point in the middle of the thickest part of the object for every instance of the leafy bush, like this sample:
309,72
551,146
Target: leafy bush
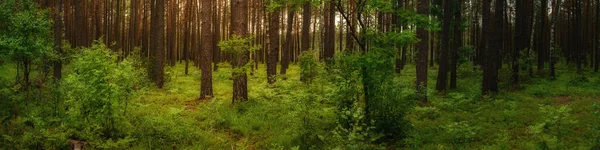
96,94
553,127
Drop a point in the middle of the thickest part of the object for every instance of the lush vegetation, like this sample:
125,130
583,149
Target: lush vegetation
110,104
103,97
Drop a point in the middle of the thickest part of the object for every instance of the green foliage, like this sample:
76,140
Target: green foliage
309,66
359,135
25,31
555,123
464,54
96,95
237,45
368,81
596,128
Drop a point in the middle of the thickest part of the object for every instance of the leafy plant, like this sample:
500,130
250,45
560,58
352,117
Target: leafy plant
96,95
553,127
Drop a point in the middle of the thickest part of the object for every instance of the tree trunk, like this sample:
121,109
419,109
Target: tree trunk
285,60
597,36
58,38
186,38
458,39
422,48
490,69
553,58
443,71
273,45
306,18
239,25
206,89
329,49
158,26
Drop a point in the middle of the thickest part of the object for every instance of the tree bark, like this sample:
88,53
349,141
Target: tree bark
422,48
273,46
285,60
442,79
239,25
329,49
306,18
206,89
158,26
458,39
490,69
58,38
597,66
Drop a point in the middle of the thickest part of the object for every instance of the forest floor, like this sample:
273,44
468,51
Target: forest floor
556,114
461,118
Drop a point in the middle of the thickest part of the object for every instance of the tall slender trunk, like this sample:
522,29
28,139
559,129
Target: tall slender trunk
552,38
458,39
206,89
158,25
285,60
597,66
58,38
442,78
422,48
306,18
273,45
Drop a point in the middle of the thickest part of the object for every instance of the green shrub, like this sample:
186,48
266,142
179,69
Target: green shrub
96,94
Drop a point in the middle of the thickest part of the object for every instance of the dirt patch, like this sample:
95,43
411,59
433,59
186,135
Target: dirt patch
562,100
191,105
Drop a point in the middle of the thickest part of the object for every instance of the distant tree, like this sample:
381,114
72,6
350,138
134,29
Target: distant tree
597,66
329,41
287,50
58,25
273,52
306,18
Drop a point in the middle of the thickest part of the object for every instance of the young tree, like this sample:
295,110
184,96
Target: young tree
422,49
158,36
206,89
273,44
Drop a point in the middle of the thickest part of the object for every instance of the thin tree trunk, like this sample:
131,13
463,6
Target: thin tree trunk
273,45
422,48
